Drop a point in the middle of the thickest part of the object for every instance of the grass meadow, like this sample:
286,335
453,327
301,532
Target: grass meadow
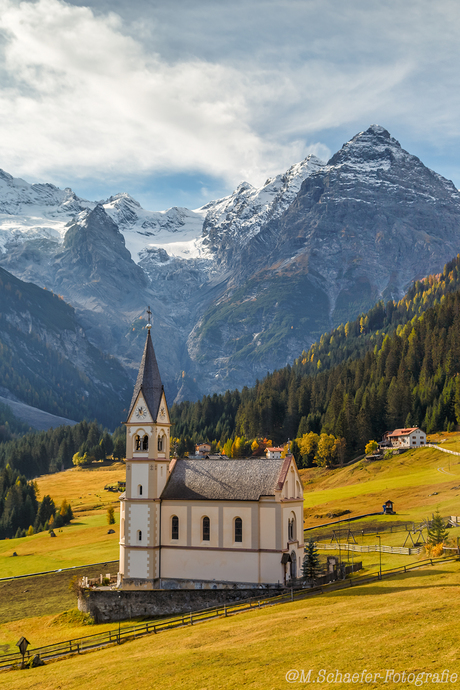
407,623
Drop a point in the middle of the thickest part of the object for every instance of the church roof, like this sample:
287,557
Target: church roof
148,380
223,480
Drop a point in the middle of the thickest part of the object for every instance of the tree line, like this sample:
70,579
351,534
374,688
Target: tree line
396,366
41,452
20,511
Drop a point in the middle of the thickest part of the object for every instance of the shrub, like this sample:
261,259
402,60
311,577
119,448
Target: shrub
110,515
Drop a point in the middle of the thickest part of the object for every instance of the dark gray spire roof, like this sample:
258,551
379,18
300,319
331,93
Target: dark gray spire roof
148,380
225,480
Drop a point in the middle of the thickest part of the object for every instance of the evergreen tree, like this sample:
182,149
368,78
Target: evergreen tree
437,533
311,566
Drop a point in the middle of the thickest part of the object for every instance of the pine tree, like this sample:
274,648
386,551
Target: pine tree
437,533
110,515
310,566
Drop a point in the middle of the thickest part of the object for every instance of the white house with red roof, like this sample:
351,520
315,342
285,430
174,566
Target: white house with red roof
273,453
405,438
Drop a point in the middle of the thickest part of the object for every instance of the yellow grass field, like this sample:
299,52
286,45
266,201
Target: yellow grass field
83,487
407,624
418,482
85,540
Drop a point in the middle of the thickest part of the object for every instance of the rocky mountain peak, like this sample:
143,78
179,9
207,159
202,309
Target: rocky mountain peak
375,145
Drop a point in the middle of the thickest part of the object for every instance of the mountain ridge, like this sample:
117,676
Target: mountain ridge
244,283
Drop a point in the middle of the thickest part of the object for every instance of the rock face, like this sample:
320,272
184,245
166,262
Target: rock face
243,284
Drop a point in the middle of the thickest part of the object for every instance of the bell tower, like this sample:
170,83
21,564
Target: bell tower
147,461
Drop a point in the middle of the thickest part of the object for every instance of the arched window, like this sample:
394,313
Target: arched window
293,565
206,529
174,527
139,535
145,443
137,442
291,528
139,490
160,442
238,529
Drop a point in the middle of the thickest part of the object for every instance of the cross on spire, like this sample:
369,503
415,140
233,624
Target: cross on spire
149,318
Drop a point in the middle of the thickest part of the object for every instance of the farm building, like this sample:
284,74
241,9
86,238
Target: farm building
404,438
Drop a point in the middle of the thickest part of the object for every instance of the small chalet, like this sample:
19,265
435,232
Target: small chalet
388,508
273,453
202,448
404,438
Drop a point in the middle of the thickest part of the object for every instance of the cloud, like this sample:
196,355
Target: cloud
236,91
81,95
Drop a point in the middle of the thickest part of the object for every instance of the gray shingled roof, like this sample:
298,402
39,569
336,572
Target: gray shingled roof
148,380
223,480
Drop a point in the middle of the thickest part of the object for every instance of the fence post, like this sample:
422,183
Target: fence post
191,619
225,610
292,594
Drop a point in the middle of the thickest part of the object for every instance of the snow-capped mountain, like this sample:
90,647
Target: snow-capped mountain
243,284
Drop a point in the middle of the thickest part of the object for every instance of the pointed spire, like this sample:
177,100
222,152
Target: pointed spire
148,380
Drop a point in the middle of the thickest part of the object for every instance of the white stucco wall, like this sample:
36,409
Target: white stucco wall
138,564
139,520
139,476
204,564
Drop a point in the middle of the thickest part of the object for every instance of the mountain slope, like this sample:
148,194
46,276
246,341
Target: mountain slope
357,382
47,362
242,285
361,228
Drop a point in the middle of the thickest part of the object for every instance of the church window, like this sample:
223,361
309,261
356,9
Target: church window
206,529
139,535
175,527
238,529
137,442
291,528
145,443
139,489
160,442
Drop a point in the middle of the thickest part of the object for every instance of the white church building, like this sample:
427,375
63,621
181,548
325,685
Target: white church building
198,523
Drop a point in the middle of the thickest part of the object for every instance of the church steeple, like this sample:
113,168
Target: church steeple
147,461
148,381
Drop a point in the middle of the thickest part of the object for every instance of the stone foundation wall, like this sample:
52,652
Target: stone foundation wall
182,583
108,605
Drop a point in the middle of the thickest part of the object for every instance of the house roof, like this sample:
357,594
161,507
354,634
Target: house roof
403,432
148,380
224,480
280,449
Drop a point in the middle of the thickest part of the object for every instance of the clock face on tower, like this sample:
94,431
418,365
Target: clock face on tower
162,412
141,412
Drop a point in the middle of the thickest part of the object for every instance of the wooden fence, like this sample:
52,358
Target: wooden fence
368,548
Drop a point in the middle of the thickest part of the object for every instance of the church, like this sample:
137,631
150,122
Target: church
202,523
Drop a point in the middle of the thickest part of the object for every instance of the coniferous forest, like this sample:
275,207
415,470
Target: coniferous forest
395,366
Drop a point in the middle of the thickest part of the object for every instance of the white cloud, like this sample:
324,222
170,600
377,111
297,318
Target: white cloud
237,91
83,96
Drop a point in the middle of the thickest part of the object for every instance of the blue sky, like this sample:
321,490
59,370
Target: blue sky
177,102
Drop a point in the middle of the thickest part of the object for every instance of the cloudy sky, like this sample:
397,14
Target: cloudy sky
177,101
